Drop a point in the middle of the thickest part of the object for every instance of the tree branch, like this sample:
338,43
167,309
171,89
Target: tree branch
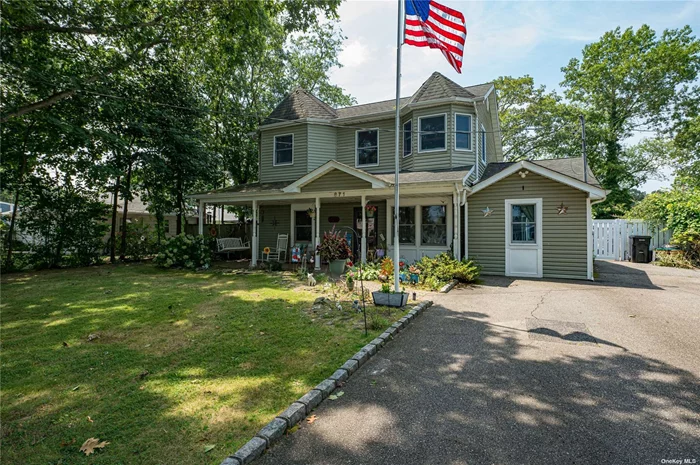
64,94
46,26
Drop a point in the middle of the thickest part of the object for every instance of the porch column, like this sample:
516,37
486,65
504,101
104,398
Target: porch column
317,259
466,230
363,243
455,225
201,217
254,248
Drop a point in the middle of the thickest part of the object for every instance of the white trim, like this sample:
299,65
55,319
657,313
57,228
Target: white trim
466,230
298,207
444,116
589,241
471,132
317,241
597,193
296,186
403,138
527,245
357,165
201,217
482,154
418,202
274,150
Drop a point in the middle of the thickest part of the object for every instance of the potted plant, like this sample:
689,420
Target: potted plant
388,298
350,280
334,249
371,210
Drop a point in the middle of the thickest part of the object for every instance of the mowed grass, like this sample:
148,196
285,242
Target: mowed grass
183,360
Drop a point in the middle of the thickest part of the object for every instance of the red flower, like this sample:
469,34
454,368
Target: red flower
402,264
349,263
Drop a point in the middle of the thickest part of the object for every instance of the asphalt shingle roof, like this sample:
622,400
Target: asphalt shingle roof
302,104
447,175
572,167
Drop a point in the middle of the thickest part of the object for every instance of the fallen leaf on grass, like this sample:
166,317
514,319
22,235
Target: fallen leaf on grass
90,419
335,396
75,388
92,337
311,419
91,444
209,447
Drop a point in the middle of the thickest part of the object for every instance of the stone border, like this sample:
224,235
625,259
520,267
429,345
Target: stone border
448,287
296,412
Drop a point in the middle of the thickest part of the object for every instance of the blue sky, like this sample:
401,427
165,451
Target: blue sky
504,38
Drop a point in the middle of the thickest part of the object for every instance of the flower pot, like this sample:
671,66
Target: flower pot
415,278
351,285
336,267
380,253
370,213
389,299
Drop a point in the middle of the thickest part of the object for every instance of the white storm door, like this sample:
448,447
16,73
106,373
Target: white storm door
524,237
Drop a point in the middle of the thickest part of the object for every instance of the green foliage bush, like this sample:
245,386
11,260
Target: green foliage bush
677,210
443,268
185,251
141,241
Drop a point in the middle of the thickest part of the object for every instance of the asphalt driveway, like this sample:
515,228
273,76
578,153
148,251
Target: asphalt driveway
527,372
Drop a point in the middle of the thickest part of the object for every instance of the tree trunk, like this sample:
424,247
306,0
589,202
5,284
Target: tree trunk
127,192
179,205
113,232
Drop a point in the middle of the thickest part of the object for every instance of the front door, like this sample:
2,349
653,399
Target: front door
523,237
371,231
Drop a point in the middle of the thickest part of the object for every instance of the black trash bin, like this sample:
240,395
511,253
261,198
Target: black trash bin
640,249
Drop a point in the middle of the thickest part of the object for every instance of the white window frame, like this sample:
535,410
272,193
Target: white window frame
420,148
415,226
537,245
471,132
357,132
274,150
483,144
403,139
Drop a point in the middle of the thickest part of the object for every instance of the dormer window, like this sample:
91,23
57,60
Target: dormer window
367,148
432,133
284,150
463,132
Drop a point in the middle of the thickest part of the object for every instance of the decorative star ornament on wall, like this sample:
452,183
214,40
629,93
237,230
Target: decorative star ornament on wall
275,222
487,211
562,209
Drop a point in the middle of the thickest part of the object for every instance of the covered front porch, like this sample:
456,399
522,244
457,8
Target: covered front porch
431,215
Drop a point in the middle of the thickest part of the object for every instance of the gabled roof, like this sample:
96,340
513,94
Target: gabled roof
330,166
300,104
563,170
439,87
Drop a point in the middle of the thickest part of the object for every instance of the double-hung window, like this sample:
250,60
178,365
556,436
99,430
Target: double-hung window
523,223
407,225
302,226
483,144
463,132
407,139
367,148
434,225
432,133
284,150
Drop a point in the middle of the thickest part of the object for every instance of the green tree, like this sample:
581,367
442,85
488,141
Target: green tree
630,80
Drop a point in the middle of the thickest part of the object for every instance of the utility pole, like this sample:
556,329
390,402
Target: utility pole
583,148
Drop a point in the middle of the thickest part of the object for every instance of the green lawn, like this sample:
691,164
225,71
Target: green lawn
183,360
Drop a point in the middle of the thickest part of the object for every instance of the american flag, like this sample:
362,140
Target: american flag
429,24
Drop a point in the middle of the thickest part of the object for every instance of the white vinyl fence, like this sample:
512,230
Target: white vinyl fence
611,237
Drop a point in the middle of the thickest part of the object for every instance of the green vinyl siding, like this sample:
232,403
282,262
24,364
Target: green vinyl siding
335,181
485,120
345,152
321,146
564,237
433,160
299,167
274,220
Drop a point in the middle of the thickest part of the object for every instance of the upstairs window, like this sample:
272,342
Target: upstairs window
284,150
367,148
432,133
463,132
407,139
483,144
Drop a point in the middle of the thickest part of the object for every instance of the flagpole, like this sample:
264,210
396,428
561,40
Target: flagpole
399,41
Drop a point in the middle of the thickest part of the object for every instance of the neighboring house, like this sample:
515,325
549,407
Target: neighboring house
137,211
527,218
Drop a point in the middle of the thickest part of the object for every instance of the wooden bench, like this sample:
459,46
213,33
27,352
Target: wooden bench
231,244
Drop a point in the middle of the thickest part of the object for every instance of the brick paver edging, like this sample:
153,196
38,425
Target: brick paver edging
309,401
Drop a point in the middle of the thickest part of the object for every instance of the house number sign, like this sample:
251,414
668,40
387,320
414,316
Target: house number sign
338,194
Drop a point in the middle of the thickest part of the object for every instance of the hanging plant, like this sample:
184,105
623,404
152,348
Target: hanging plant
371,210
311,212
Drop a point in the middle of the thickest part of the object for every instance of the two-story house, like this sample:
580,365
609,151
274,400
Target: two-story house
321,167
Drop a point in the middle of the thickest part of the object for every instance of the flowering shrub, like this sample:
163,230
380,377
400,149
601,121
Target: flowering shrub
185,251
140,241
387,267
370,271
334,246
